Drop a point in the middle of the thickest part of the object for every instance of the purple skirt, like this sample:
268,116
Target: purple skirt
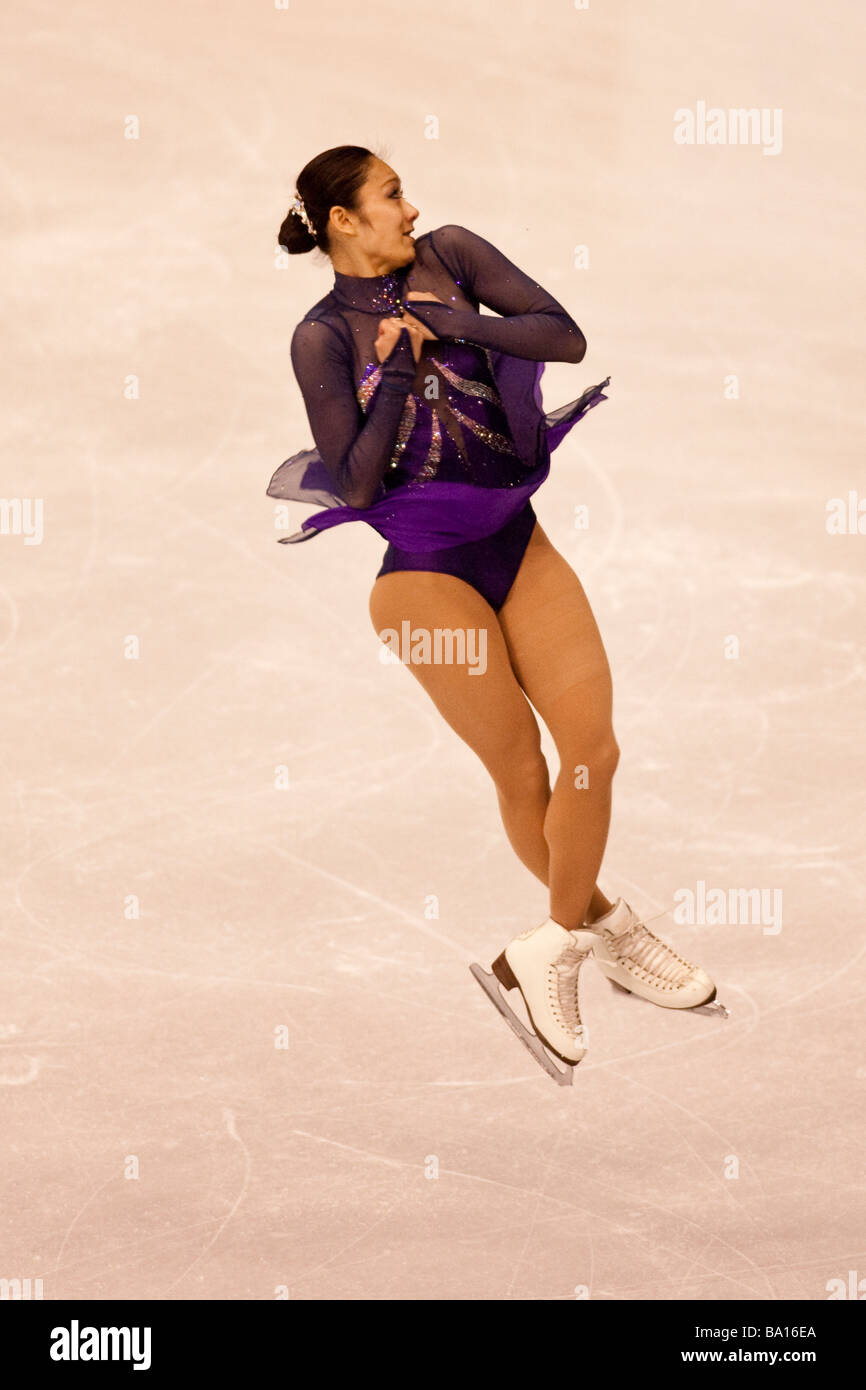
425,515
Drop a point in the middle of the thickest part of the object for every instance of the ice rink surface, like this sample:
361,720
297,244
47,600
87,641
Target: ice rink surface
245,870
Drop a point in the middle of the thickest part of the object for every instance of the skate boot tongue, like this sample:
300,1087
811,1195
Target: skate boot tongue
657,959
567,966
619,920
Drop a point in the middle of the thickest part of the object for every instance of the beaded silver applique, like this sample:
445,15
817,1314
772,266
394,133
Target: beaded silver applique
467,385
492,438
434,456
404,429
369,382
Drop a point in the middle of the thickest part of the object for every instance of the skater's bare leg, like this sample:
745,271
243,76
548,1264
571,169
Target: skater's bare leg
522,806
558,658
598,906
489,711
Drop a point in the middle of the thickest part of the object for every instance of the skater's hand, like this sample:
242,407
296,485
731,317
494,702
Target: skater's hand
389,332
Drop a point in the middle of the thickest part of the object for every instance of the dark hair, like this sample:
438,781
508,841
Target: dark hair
330,180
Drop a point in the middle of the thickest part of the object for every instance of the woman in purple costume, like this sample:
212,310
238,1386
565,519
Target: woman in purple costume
428,425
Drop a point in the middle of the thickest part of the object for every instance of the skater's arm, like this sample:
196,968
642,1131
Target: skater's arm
354,450
534,326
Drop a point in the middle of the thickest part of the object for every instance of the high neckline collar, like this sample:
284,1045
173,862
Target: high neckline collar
372,294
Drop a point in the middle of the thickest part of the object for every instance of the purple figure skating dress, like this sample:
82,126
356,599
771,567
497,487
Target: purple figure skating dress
439,456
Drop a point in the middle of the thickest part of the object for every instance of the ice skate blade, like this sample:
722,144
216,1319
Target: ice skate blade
715,1008
563,1076
711,1007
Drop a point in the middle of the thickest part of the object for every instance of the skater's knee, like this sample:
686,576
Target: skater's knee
521,773
591,759
604,755
612,755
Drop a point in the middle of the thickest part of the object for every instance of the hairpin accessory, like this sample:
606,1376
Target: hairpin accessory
300,211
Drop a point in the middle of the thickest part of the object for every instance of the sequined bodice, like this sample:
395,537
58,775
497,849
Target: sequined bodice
453,425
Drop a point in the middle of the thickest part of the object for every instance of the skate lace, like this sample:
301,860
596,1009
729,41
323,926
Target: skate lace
563,986
638,946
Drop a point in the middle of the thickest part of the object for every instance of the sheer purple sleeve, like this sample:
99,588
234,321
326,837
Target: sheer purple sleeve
535,325
355,451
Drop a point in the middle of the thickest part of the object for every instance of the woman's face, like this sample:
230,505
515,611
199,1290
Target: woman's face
385,218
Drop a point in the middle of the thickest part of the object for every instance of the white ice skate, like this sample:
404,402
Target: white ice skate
544,965
636,960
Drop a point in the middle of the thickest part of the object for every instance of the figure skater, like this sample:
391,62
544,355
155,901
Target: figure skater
428,426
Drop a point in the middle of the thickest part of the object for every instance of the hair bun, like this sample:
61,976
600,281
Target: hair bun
293,236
